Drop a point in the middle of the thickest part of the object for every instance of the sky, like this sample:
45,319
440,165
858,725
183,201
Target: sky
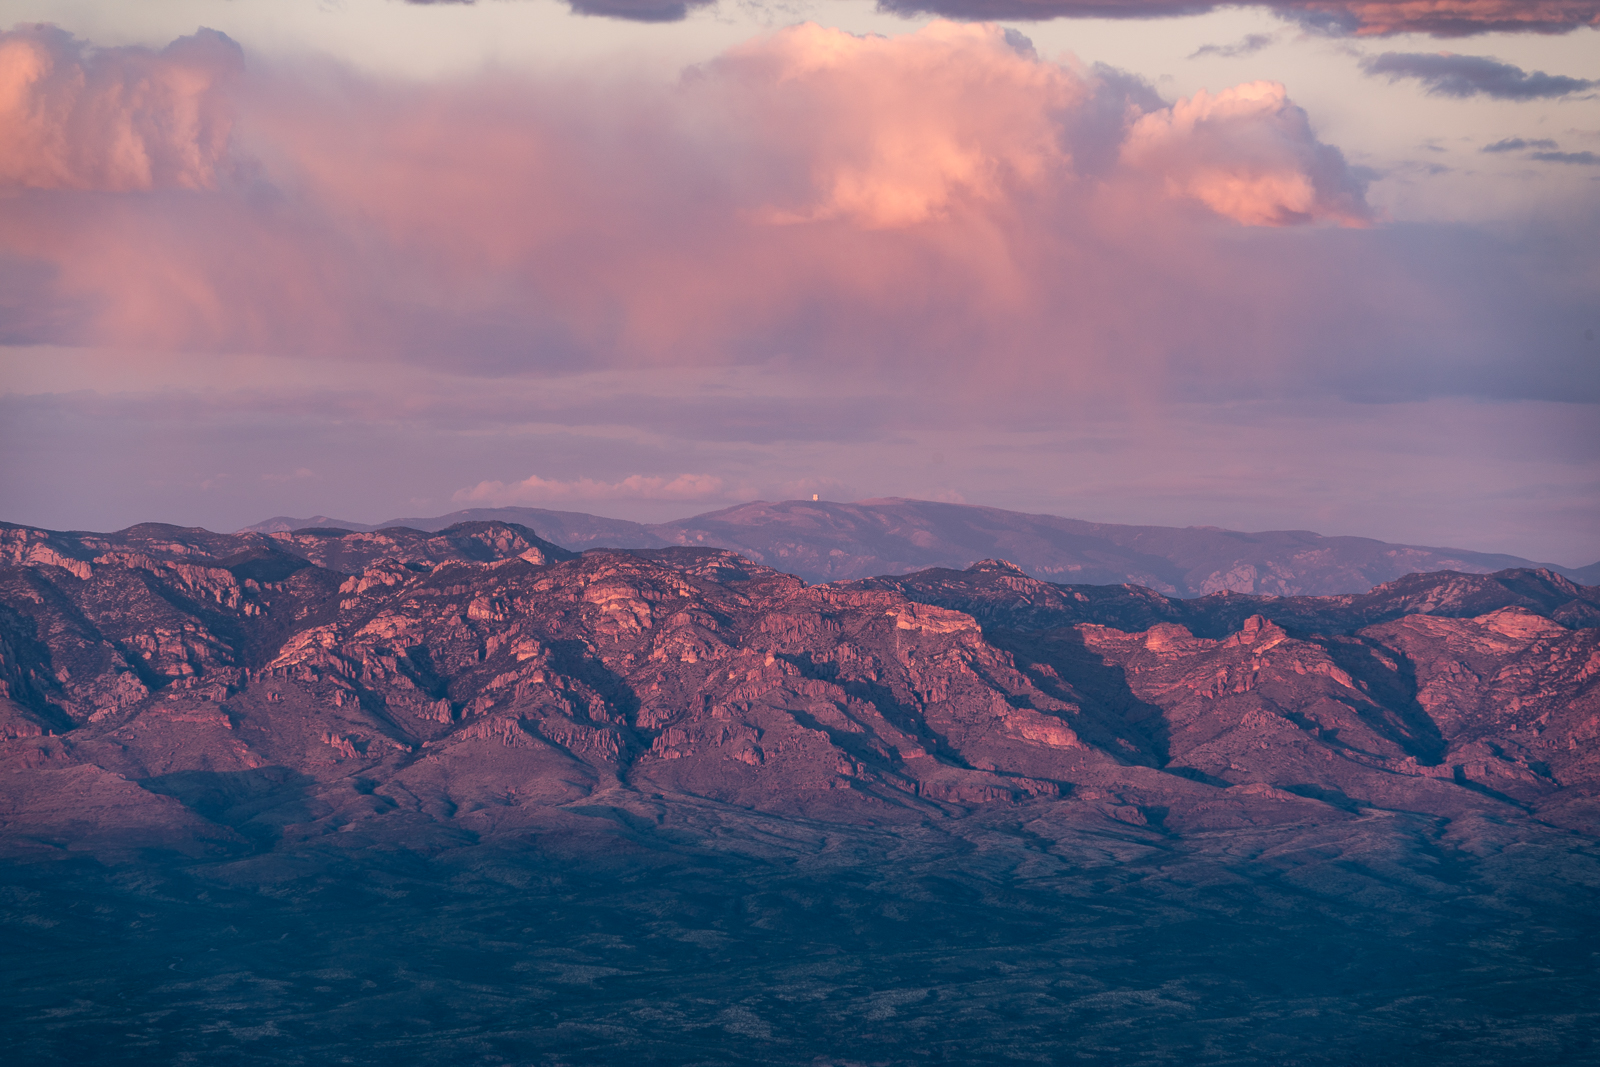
1304,264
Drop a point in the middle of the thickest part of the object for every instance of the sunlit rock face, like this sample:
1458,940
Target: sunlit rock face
500,802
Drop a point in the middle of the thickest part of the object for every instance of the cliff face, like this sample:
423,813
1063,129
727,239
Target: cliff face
705,771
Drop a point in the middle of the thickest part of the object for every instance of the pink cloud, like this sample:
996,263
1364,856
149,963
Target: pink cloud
1248,154
75,117
892,132
854,201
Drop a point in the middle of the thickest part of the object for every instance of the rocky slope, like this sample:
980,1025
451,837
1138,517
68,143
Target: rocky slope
997,592
696,671
824,541
675,783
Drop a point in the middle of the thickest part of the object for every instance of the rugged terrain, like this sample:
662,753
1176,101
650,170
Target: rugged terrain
468,797
822,541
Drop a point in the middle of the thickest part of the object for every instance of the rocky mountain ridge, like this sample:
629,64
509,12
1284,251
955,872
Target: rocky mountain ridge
699,672
823,541
998,593
467,797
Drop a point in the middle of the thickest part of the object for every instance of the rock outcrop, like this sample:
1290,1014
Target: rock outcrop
404,656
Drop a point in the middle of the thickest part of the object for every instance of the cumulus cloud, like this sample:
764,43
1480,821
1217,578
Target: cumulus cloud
1441,18
897,131
926,264
534,490
76,117
1248,154
940,212
1461,76
811,194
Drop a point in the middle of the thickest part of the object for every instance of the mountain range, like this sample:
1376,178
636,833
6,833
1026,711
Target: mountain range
468,796
821,541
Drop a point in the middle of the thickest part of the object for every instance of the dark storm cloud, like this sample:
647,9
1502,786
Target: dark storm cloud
1463,76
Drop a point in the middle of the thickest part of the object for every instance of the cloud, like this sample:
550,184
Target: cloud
1516,144
1462,76
898,131
632,10
810,195
75,117
1543,150
1248,154
1250,45
532,490
815,242
639,10
819,259
1440,18
1580,158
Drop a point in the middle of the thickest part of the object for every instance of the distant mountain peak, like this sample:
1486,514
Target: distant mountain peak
286,524
996,565
828,541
